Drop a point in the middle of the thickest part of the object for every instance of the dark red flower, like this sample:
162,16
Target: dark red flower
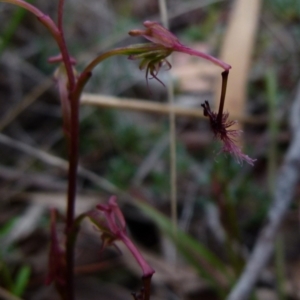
159,35
164,43
110,220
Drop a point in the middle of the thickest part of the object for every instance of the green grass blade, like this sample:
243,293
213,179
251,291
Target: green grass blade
206,262
21,281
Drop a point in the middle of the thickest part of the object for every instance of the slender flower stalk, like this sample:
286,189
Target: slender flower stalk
223,95
220,125
152,57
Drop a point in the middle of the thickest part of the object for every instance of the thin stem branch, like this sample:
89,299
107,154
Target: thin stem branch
27,6
44,19
73,145
208,57
72,188
133,49
146,268
74,97
63,47
223,95
86,73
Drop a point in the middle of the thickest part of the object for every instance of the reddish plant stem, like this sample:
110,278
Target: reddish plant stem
67,62
63,47
147,286
73,144
73,164
208,57
147,270
223,94
73,152
58,34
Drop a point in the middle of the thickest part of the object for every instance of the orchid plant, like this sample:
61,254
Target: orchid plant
109,218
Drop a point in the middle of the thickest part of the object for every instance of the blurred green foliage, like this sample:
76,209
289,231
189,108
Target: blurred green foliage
289,10
16,279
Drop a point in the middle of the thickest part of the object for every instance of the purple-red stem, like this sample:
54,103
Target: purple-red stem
222,97
73,142
72,187
73,145
63,48
147,270
208,57
147,286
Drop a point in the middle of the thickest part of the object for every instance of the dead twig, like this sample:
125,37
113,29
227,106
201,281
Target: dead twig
283,195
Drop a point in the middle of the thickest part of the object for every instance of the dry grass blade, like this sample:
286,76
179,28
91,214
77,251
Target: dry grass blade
139,105
152,107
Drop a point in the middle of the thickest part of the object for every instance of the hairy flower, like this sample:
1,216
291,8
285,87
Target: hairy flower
164,43
152,60
220,127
